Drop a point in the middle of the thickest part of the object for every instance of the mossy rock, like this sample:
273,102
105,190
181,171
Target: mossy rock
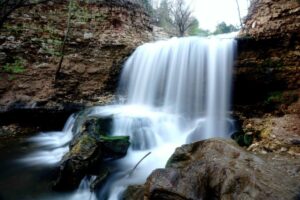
114,147
85,147
87,156
99,126
93,126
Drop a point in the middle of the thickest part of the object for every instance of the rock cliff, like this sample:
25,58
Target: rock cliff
101,36
272,18
267,76
268,60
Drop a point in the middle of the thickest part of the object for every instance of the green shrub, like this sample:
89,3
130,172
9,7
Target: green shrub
279,97
16,67
242,138
274,97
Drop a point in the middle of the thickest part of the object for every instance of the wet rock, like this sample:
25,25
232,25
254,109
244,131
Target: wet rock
83,156
134,192
87,154
97,183
220,169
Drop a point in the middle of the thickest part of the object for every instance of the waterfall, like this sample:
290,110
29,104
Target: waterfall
187,77
176,92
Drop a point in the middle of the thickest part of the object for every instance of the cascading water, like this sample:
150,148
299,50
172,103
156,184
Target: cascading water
176,92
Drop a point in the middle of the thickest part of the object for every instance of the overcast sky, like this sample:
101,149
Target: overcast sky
211,12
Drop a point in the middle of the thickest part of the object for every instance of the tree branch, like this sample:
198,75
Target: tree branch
132,170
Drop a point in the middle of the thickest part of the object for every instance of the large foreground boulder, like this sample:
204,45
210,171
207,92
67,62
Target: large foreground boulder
220,169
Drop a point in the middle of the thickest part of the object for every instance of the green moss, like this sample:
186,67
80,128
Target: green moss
114,138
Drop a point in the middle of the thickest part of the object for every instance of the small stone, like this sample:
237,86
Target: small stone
263,152
291,152
253,147
273,136
283,149
248,126
11,38
42,65
87,36
249,133
3,57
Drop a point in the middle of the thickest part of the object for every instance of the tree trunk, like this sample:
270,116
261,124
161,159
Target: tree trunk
62,52
239,12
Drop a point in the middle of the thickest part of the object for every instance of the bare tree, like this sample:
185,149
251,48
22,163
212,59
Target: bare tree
182,16
239,12
7,7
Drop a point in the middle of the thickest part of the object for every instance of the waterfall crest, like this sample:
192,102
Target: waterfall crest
189,77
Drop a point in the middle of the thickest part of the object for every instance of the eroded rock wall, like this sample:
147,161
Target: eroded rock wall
102,35
268,60
272,18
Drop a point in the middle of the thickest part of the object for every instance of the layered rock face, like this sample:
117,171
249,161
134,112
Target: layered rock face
272,18
101,36
267,76
219,169
268,52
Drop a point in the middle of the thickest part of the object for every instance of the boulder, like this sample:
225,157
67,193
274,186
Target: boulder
134,192
88,150
220,169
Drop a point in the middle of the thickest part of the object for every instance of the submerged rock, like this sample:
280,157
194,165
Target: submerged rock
220,169
88,150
